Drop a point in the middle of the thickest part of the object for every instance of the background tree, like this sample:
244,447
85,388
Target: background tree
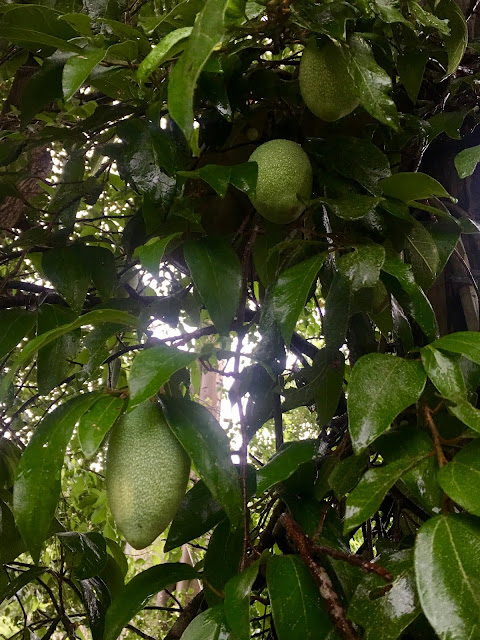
340,498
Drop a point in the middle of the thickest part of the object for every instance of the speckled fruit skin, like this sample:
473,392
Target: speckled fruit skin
284,171
146,474
325,84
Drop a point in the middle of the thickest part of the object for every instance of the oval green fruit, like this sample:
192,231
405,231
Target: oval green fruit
325,84
147,472
284,171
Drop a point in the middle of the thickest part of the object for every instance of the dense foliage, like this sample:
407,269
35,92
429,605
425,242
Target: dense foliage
133,262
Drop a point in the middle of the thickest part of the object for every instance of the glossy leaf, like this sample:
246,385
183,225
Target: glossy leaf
362,267
456,41
171,44
208,513
20,581
97,421
410,296
152,252
294,596
423,255
208,625
412,186
237,601
152,368
467,343
207,33
320,384
89,551
375,611
208,447
346,473
381,386
78,68
103,270
67,269
351,206
221,560
15,323
217,275
38,477
445,373
290,293
467,413
219,177
447,568
372,83
337,313
93,317
285,463
460,478
466,161
368,495
135,593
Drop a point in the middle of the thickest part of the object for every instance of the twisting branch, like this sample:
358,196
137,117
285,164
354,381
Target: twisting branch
330,597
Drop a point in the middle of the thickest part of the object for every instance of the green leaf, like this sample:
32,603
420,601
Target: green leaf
103,270
337,313
466,161
221,560
89,551
237,601
351,206
208,446
97,422
209,625
135,593
460,478
457,40
15,323
208,513
29,36
372,83
321,383
151,253
410,296
93,317
52,360
447,569
217,274
208,31
423,255
285,463
67,269
381,386
427,19
38,477
411,67
78,68
290,293
408,186
374,612
368,495
294,598
445,373
20,581
11,543
346,474
357,159
362,267
170,45
218,176
152,368
467,413
467,343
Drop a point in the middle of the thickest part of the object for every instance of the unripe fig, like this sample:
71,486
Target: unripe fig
284,171
325,84
147,472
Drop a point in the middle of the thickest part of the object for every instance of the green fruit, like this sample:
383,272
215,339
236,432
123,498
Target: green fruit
325,84
284,171
146,473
